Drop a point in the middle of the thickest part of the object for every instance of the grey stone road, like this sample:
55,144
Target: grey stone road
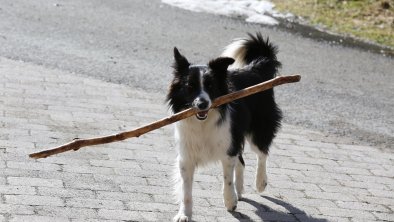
311,178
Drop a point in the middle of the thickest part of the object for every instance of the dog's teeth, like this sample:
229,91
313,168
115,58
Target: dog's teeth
202,116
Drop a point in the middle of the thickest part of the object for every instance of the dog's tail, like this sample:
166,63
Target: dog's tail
256,52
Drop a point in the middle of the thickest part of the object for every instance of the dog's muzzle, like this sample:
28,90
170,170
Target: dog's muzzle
202,105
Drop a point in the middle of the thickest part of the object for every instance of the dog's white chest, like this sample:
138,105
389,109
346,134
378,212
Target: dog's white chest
203,141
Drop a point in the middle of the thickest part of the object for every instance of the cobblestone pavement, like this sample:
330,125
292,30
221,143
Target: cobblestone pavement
311,178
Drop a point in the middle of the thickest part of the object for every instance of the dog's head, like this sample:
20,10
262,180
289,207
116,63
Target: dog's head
197,85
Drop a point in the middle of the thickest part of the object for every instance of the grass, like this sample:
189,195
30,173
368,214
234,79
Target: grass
371,20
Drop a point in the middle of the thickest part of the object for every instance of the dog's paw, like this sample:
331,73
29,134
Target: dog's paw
231,201
261,183
181,218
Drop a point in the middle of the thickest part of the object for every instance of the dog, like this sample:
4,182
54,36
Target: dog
219,134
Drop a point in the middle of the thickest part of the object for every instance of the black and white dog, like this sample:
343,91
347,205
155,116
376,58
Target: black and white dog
219,134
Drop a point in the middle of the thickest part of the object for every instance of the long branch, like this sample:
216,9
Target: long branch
79,143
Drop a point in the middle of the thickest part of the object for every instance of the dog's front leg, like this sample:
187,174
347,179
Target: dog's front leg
185,179
229,194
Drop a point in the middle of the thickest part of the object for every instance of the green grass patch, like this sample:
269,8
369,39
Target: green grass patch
366,19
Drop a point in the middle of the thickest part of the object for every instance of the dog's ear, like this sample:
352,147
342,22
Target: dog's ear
181,64
220,64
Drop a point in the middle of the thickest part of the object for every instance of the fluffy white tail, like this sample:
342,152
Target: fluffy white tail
237,51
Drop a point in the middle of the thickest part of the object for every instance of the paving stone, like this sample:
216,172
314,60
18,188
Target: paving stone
364,220
381,193
122,196
340,177
325,147
315,180
366,185
303,167
65,192
297,186
346,213
2,180
34,182
385,173
33,165
376,179
93,220
330,196
362,206
92,186
347,170
384,216
16,209
94,203
110,179
375,200
7,189
114,164
306,201
317,161
66,212
286,193
345,190
33,200
120,215
88,169
35,218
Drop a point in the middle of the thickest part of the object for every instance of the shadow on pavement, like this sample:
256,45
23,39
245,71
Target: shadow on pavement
268,214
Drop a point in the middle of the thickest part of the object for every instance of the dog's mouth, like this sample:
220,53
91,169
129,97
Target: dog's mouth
202,115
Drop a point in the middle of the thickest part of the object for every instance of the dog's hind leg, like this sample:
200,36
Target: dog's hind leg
184,190
229,193
261,172
261,180
239,176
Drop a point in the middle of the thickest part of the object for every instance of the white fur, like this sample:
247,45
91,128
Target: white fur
229,194
203,93
236,51
261,180
199,143
239,179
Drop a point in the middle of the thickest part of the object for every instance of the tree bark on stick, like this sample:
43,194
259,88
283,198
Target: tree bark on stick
76,144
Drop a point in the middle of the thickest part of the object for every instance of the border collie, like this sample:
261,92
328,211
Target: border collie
219,134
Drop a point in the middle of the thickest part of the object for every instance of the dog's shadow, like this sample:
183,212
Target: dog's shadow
265,213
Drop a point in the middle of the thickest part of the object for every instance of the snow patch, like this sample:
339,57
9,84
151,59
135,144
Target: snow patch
254,11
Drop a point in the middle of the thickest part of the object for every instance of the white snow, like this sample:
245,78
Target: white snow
256,11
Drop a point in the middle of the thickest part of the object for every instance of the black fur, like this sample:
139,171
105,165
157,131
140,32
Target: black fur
257,116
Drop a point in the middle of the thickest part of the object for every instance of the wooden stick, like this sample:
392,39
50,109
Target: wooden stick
76,144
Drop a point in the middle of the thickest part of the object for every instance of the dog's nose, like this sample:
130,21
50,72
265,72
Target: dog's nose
202,105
